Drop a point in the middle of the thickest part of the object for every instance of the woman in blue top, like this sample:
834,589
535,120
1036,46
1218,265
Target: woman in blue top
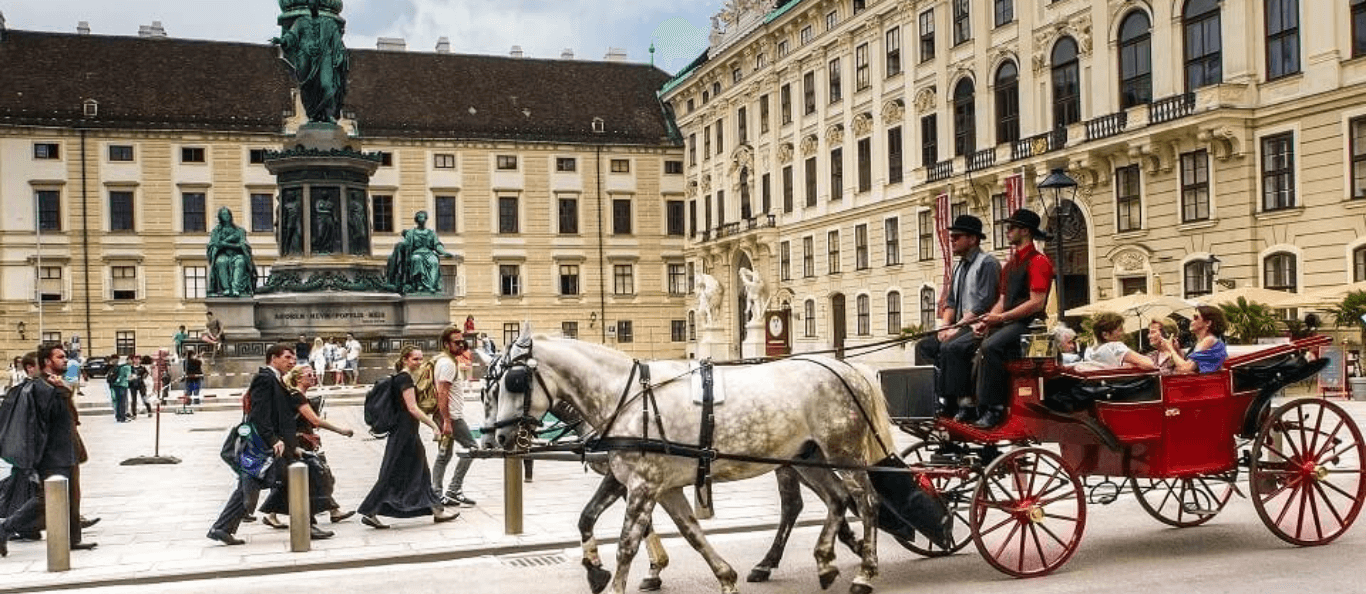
1209,352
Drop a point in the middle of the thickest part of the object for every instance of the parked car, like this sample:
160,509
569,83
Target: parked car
95,367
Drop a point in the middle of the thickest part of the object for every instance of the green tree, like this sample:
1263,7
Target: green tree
1250,320
1348,313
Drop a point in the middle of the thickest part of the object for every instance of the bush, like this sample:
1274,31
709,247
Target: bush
1250,320
1348,313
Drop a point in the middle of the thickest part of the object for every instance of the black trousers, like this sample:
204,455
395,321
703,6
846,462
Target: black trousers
952,361
243,500
31,516
993,380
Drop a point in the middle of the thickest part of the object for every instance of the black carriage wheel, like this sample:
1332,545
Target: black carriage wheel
954,492
1306,474
1184,502
1028,513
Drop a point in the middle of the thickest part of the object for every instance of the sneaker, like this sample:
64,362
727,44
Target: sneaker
457,499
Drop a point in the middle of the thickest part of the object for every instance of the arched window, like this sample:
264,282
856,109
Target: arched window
894,311
964,118
865,323
927,308
1135,60
1203,43
1007,103
1066,83
1199,278
809,317
1278,272
1359,264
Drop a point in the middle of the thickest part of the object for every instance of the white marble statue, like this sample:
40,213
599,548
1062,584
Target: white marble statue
754,295
708,298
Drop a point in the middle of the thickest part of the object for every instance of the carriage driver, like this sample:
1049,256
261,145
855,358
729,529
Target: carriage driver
1025,283
972,290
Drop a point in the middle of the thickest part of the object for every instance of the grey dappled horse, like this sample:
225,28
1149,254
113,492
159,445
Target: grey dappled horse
775,411
610,490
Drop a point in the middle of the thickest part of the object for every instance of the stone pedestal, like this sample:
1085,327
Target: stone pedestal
753,345
237,316
711,344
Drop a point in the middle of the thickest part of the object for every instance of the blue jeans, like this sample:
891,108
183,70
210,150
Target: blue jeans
120,402
192,390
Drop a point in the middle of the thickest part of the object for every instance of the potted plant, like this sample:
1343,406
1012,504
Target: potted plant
1349,312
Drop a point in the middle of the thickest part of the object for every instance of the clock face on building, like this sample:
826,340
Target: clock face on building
775,326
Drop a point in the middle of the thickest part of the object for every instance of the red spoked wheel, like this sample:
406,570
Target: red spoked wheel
1306,472
1184,502
953,491
1028,513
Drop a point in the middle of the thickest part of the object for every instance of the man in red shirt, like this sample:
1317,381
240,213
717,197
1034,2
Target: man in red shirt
1025,283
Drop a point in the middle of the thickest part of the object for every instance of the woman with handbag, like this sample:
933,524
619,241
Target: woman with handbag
404,486
320,479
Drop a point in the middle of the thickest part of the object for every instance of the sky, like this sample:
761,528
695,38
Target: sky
543,28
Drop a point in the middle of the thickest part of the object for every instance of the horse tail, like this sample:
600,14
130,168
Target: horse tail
878,443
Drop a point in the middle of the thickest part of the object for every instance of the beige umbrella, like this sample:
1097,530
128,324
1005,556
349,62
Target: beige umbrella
1323,296
1137,308
1268,297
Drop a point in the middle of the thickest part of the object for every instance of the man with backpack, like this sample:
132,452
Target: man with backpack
441,378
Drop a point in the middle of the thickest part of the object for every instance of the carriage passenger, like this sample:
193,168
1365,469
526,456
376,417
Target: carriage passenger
1209,352
1157,331
1112,352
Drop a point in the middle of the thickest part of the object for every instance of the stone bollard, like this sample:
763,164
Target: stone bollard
300,516
512,495
58,503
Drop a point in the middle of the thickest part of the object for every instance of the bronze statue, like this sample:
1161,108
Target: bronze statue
312,45
357,223
326,221
291,222
231,270
415,265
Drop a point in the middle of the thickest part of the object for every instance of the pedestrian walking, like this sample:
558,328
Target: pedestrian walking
137,387
194,376
272,419
320,480
404,486
449,383
120,374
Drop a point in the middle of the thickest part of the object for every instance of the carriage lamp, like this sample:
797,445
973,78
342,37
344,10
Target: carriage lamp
1060,183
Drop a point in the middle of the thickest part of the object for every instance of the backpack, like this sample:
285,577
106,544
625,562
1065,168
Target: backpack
381,414
424,384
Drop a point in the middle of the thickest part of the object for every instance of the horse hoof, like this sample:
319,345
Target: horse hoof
828,577
598,578
651,584
758,575
860,589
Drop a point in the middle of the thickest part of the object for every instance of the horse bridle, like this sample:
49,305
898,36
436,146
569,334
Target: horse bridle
520,369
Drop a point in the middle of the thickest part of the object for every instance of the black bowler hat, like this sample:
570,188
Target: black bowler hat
1028,219
968,224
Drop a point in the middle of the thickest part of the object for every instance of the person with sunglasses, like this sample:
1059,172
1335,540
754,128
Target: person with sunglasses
1025,283
971,292
1209,352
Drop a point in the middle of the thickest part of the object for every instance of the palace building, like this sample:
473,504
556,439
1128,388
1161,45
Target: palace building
823,135
558,184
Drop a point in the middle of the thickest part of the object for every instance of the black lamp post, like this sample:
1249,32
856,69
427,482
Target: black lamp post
1060,184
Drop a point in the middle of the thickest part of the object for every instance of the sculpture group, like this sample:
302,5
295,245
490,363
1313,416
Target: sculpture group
415,264
312,44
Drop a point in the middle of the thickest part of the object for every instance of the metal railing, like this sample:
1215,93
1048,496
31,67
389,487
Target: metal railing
767,221
1107,125
1038,144
1171,108
982,159
940,171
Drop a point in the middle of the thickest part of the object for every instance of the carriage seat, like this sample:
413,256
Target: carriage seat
1073,390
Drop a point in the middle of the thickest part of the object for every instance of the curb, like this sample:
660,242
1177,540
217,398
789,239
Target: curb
397,559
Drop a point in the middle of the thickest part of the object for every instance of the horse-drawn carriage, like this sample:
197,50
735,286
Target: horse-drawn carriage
1179,442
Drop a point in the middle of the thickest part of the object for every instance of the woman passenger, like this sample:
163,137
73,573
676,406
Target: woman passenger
1158,330
1209,352
1112,352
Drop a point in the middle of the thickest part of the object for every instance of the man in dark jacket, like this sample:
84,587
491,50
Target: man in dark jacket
273,420
53,447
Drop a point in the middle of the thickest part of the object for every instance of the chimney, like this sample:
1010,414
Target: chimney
615,54
391,44
153,30
83,27
516,51
567,54
443,45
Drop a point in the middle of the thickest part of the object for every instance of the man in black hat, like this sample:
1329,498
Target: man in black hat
972,291
1025,283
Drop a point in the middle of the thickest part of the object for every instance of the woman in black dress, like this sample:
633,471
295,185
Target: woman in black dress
404,486
320,480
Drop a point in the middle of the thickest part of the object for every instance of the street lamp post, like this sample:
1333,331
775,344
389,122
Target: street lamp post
1059,182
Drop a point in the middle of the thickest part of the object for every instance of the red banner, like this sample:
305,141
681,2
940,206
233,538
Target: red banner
1014,193
941,222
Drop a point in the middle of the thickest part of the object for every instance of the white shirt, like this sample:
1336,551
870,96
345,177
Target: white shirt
352,349
1106,356
446,370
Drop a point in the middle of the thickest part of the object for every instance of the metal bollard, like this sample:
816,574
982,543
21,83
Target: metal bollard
58,503
512,495
300,518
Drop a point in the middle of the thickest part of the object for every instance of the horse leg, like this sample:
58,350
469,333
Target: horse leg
608,492
820,481
830,488
659,559
678,508
790,497
640,504
867,498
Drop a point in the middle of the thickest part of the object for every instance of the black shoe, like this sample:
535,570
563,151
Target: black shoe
273,523
248,518
339,516
991,418
4,543
965,415
84,546
457,499
317,533
88,522
373,522
224,537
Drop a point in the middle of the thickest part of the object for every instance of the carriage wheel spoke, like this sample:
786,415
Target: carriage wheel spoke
1313,445
1289,501
1270,448
1005,542
1054,536
1024,541
1048,484
1061,517
1328,443
998,526
1038,546
1052,500
1318,487
1292,483
1311,495
1181,502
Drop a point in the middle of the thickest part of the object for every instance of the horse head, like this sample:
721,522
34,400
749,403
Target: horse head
517,396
